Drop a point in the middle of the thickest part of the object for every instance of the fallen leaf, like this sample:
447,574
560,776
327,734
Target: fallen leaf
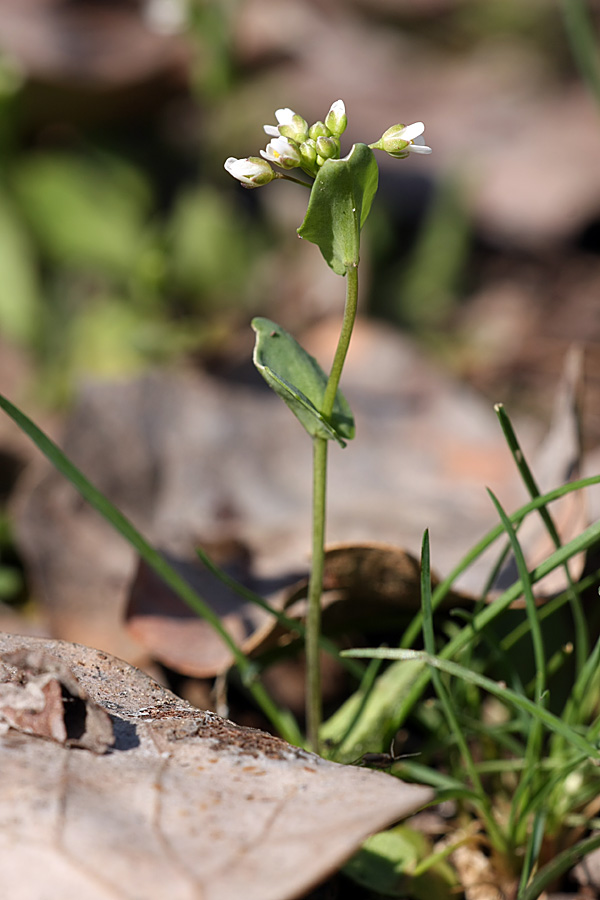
174,635
212,460
39,695
185,805
87,43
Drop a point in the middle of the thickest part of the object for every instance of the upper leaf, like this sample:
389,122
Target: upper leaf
300,381
339,204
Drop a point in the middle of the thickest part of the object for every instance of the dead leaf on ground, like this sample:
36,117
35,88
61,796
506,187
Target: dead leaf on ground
39,695
207,459
185,805
174,635
88,44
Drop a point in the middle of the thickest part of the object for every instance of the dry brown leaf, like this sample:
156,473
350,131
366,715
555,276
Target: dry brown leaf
186,805
87,43
39,695
365,586
174,635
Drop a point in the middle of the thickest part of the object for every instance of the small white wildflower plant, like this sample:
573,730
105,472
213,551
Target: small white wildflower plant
342,191
296,144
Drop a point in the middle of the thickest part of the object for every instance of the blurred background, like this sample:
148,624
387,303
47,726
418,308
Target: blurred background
123,243
126,248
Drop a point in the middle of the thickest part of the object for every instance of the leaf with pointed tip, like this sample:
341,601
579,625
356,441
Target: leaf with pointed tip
339,204
300,381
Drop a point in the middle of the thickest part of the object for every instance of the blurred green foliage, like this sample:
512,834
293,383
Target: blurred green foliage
119,245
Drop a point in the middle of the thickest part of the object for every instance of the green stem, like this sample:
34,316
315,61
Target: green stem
307,184
344,341
314,709
315,586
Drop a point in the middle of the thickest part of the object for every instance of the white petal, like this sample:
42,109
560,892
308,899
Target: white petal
236,167
271,130
284,116
279,145
338,107
412,131
267,154
418,148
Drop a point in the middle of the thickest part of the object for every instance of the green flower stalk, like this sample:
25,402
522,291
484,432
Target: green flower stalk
341,196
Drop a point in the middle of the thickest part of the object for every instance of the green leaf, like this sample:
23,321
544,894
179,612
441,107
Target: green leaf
339,204
20,298
389,864
300,381
370,730
84,213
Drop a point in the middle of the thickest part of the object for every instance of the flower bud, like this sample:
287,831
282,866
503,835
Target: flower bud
282,152
400,140
296,129
289,124
308,156
336,119
319,129
252,172
328,148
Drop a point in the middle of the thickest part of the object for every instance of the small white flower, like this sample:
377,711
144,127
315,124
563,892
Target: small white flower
284,116
414,135
282,152
400,140
289,124
252,171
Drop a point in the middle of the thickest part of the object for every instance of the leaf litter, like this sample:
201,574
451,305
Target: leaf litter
184,804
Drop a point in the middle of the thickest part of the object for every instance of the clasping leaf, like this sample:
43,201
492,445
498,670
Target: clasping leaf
300,381
339,204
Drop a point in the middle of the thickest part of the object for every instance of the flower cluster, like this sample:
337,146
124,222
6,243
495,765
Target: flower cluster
294,144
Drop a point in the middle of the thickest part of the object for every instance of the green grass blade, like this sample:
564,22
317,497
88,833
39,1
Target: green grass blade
483,801
561,863
530,608
588,538
282,720
533,849
582,643
443,588
552,722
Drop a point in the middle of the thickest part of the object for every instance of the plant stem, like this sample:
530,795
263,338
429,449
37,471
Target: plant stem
343,342
315,586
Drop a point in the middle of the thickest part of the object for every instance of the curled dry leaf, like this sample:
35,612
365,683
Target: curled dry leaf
174,635
366,586
185,805
39,695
